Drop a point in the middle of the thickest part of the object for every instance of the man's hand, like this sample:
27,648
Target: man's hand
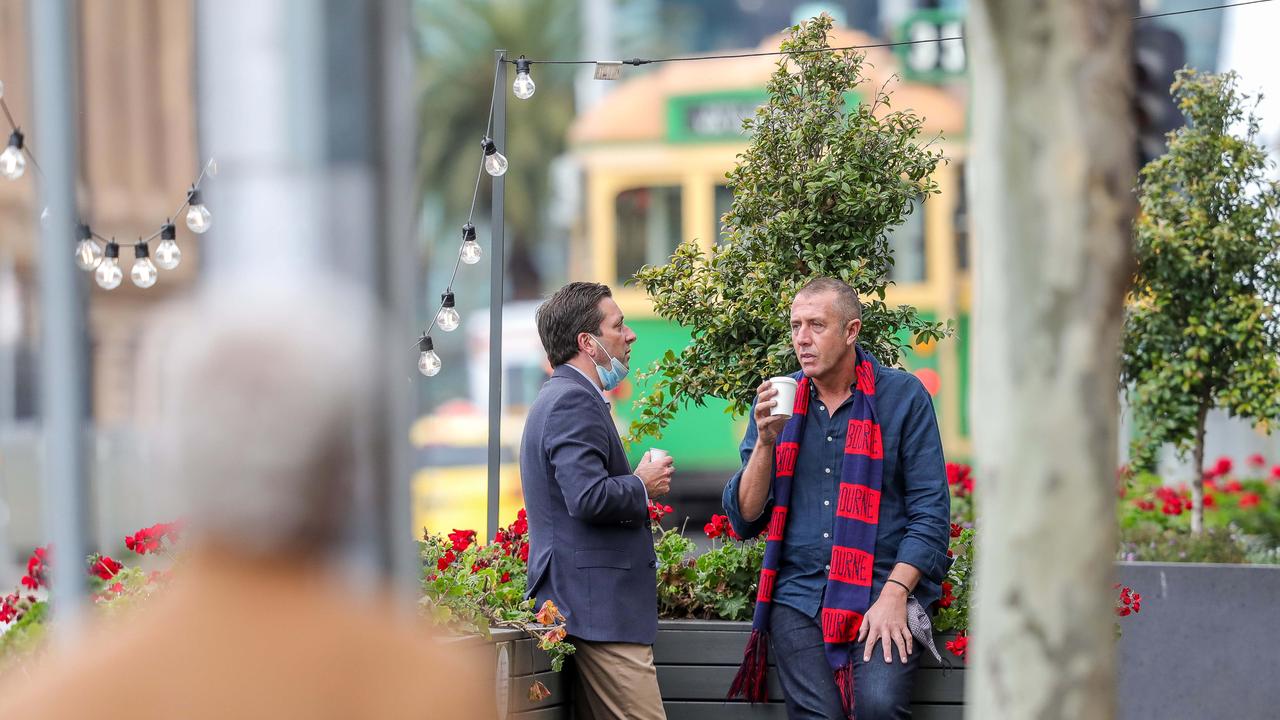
768,425
886,621
656,475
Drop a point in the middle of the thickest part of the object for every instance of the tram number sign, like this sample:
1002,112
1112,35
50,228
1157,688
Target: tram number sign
712,116
930,58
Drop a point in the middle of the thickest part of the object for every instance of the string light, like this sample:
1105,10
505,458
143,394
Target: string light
168,254
428,361
448,318
471,252
109,275
144,273
495,163
88,252
12,162
198,216
523,86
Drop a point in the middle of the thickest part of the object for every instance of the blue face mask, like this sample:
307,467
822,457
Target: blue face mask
611,377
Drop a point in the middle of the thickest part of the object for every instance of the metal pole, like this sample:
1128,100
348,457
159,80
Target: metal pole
497,277
62,377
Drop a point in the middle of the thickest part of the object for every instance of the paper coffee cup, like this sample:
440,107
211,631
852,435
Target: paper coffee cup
786,398
655,454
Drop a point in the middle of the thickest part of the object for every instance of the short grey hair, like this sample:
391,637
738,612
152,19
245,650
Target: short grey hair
261,403
847,301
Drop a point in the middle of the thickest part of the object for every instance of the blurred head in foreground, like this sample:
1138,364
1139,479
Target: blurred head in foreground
258,412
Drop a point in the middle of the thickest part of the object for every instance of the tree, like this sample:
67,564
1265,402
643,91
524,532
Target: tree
1202,330
1052,167
823,180
457,39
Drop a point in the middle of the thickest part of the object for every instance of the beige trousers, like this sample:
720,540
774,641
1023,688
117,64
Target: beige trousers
616,681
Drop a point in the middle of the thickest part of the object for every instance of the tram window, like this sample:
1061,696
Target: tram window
724,201
648,222
907,243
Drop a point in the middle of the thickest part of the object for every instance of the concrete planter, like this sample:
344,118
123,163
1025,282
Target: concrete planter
1202,645
696,661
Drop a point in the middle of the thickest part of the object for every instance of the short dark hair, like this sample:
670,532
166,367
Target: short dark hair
847,301
572,310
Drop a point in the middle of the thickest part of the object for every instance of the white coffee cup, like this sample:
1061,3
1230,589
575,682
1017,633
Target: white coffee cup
655,454
785,400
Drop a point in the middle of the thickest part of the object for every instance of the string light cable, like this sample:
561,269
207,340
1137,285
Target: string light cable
101,255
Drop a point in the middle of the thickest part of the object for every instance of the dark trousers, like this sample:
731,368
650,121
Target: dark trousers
881,691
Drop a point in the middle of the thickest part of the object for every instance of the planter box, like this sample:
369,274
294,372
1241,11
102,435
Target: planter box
696,661
1202,645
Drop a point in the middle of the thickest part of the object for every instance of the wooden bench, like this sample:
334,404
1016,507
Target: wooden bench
696,661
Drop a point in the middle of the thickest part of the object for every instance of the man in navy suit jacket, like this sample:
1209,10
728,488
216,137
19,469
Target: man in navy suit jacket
590,548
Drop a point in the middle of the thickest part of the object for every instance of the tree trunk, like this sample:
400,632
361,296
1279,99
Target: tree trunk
1052,167
1197,478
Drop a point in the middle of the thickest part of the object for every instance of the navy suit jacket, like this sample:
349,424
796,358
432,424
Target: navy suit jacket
590,548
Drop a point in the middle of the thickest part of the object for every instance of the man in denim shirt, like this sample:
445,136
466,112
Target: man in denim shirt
914,519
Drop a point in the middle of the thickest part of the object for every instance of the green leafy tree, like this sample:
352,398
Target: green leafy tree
1201,329
826,176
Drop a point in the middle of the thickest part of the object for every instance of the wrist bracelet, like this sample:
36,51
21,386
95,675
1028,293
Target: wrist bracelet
903,585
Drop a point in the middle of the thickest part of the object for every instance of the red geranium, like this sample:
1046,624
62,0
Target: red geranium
445,560
462,539
103,567
1256,460
960,478
1223,466
959,647
956,530
1249,500
1129,602
947,597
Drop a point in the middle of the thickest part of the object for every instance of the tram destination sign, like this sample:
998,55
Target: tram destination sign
717,116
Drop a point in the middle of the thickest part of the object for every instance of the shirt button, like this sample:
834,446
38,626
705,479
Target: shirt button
828,471
822,407
826,502
828,568
828,438
826,535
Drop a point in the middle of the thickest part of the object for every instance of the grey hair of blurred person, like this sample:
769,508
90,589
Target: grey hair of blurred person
260,399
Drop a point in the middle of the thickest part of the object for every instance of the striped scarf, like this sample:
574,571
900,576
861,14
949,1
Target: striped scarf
848,592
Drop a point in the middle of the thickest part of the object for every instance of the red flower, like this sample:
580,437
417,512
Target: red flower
1256,460
711,530
117,588
1223,466
1129,602
947,597
1210,483
445,560
959,647
960,479
956,530
1144,504
1275,472
1209,501
479,565
506,578
1234,486
524,552
104,567
462,539
1249,500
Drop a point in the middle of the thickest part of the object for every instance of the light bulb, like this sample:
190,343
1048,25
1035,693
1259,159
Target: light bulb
523,87
198,217
428,360
88,254
495,163
144,273
12,162
448,318
109,275
470,252
168,254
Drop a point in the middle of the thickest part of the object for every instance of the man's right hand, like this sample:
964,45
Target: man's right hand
767,424
656,475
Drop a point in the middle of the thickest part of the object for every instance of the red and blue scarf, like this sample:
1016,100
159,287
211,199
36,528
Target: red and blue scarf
853,547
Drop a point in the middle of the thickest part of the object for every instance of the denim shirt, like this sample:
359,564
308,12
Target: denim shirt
915,506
